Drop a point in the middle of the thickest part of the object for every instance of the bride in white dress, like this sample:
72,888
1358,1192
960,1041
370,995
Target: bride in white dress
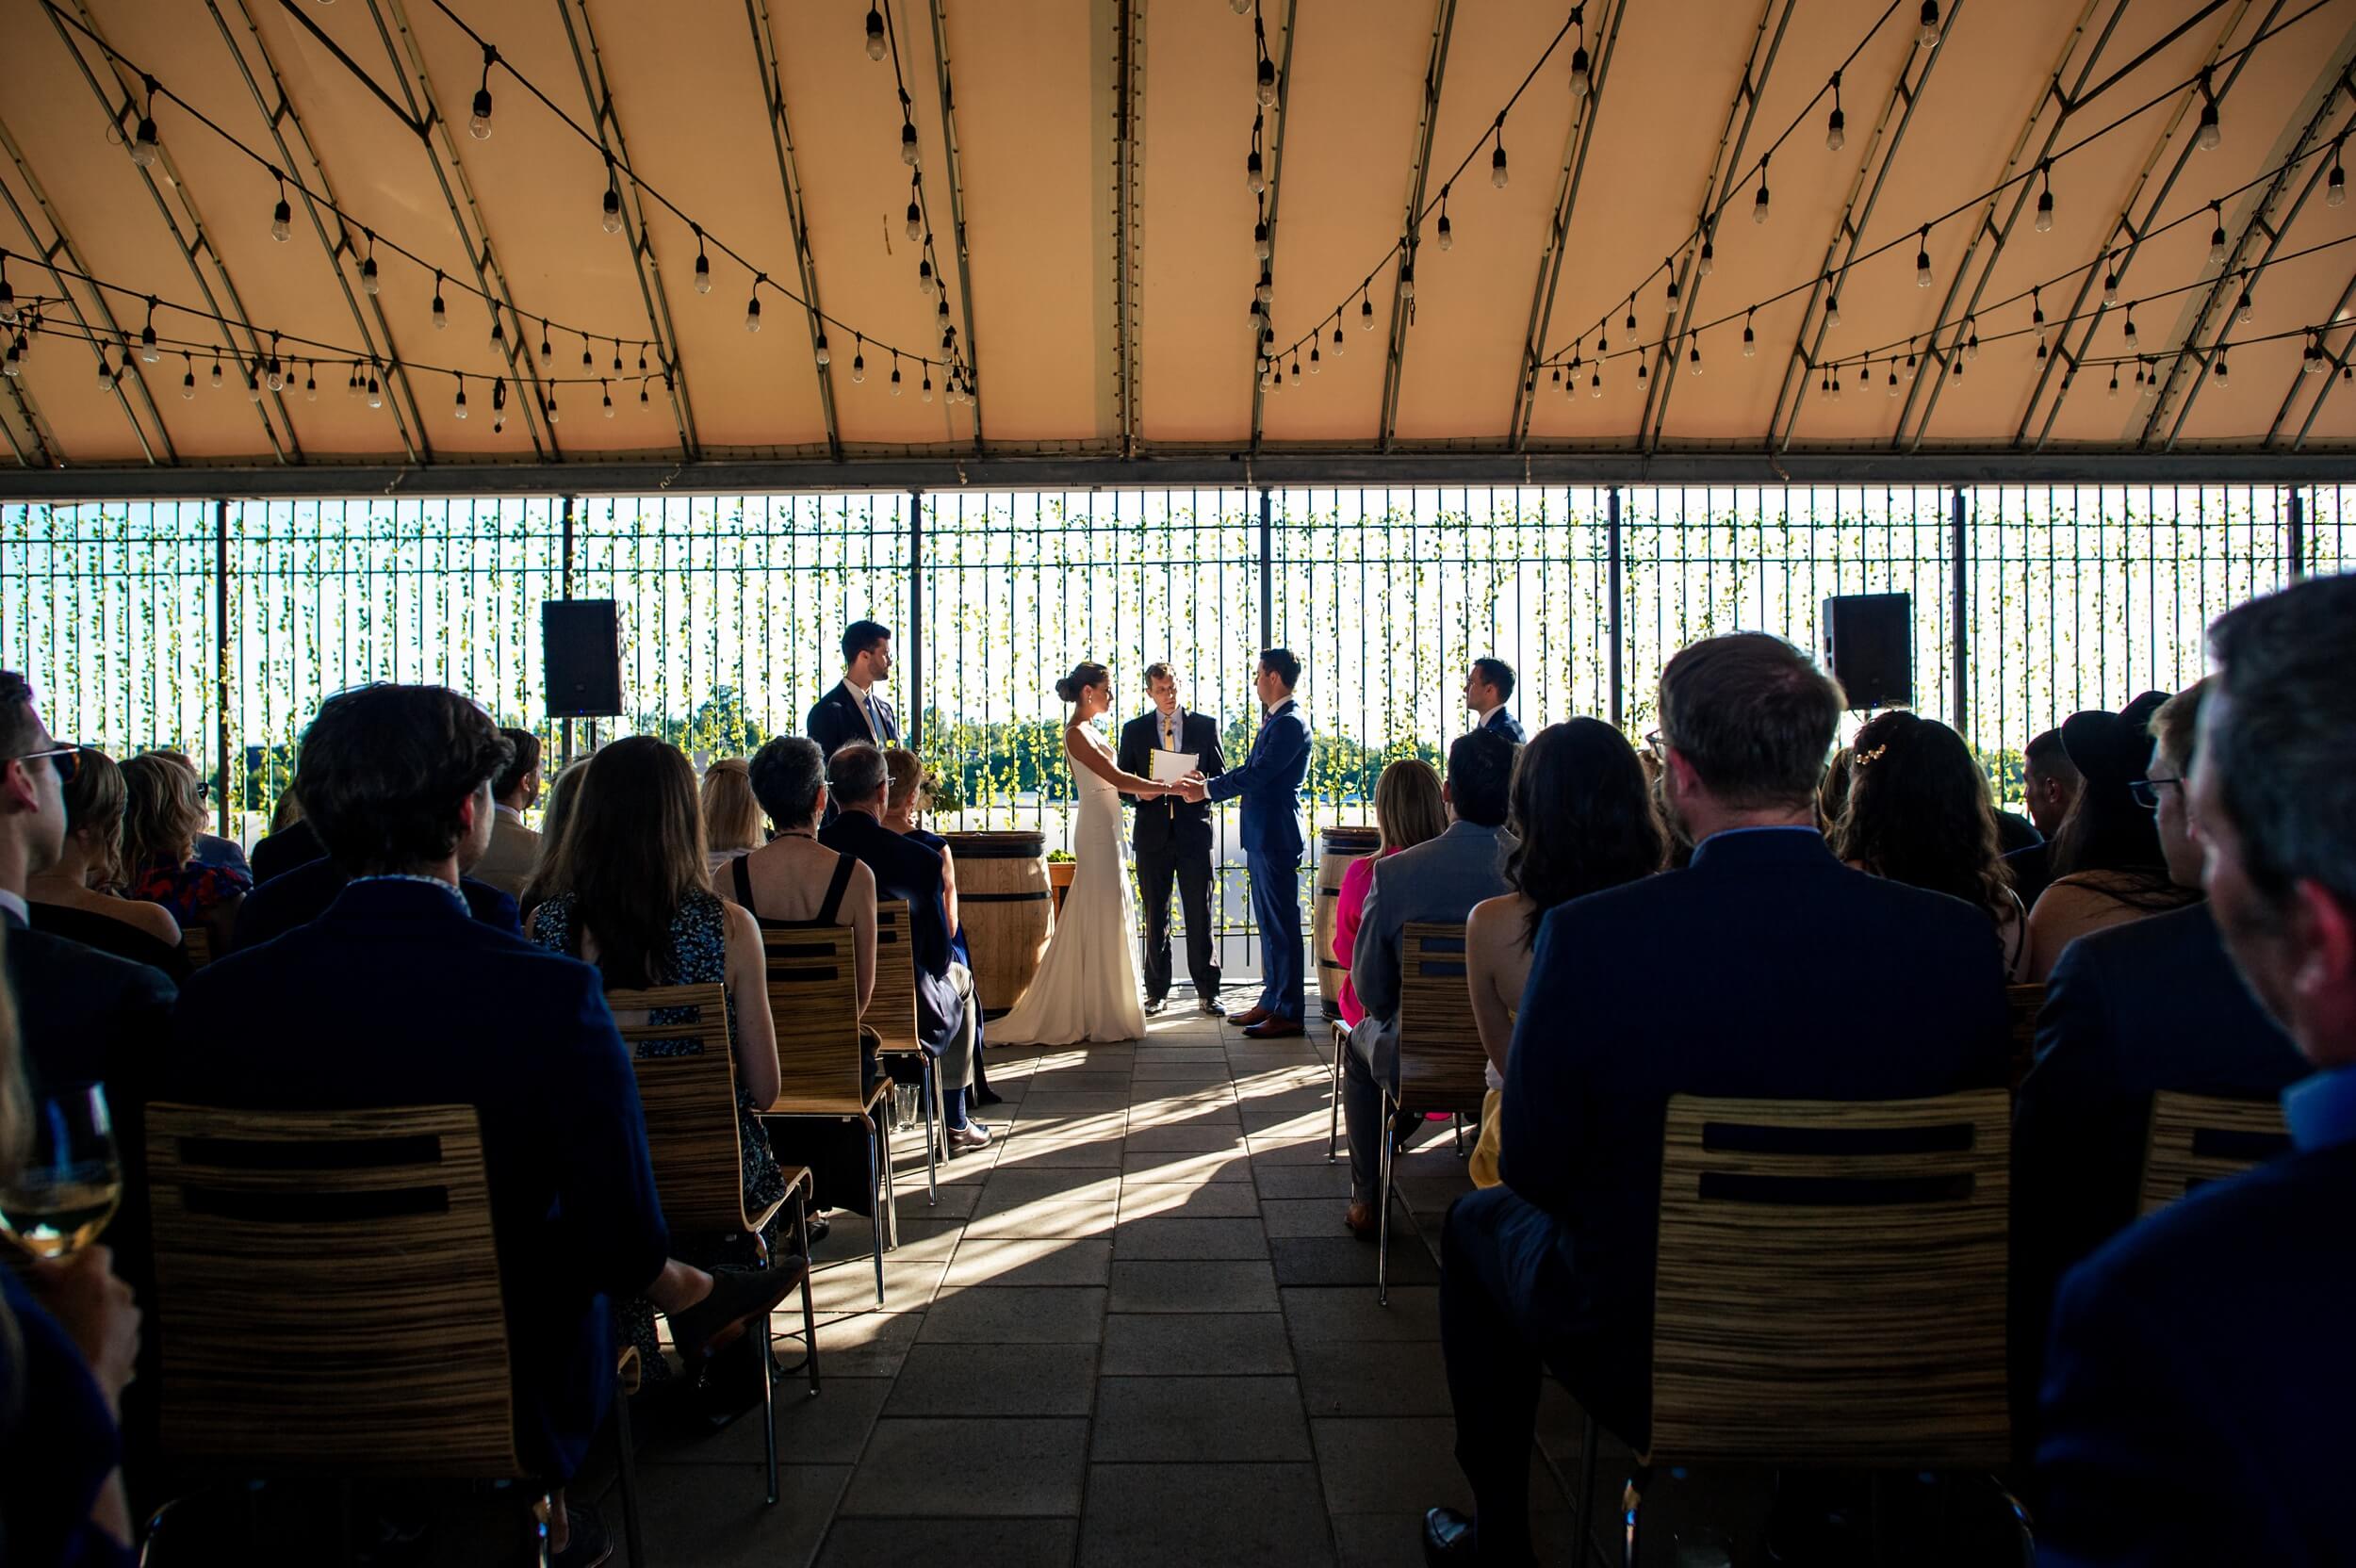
1087,987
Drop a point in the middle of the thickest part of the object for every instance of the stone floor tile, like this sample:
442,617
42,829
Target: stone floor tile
1025,1315
1141,1199
854,1344
1061,1154
1372,1377
1344,1260
1187,1516
1196,1419
1350,1312
1186,1141
1297,1179
1305,1147
1178,1344
1019,1261
826,1428
1051,1202
718,1517
1192,1287
980,1467
1182,1237
1304,1217
994,1380
1370,1464
968,1544
1220,1165
1045,1101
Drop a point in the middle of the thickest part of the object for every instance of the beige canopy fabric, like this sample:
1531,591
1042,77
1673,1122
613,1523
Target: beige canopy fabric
1083,176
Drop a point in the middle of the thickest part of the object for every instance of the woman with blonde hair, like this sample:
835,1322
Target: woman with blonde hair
162,816
1409,809
731,811
66,899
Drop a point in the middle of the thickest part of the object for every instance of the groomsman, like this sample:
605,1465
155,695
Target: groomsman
853,712
1174,840
1488,687
1269,783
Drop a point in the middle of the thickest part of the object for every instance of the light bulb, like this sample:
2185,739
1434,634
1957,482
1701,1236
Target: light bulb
2335,184
376,393
908,142
915,224
277,378
1750,342
703,273
1496,167
554,416
351,385
1338,344
645,405
825,355
1595,382
1832,310
2221,381
925,281
149,352
1921,269
1930,33
107,374
1264,292
1260,245
1641,372
874,33
1836,131
1836,384
253,389
216,376
499,337
752,314
280,217
310,384
1579,83
2216,242
458,409
143,143
2209,135
2110,289
1709,262
2131,329
896,378
609,405
8,364
610,217
368,277
478,122
1694,359
1241,7
2045,212
859,369
1267,83
2315,357
441,312
1313,366
1365,315
2245,310
1910,362
925,392
1447,234
8,302
1254,181
1758,202
1407,282
1893,381
187,381
1295,372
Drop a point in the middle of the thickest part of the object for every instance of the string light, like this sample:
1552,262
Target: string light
1581,81
896,374
2218,368
2210,134
143,138
703,264
752,306
2110,280
458,407
1832,310
1496,159
276,375
547,353
2151,381
253,387
1313,365
7,295
499,407
498,334
874,33
2244,309
924,283
1693,355
280,216
609,216
1893,375
825,355
1253,179
187,377
1366,312
1339,344
311,383
1267,86
2336,182
915,220
1750,338
859,361
908,142
1971,343
149,352
2130,328
2312,354
376,393
107,374
2037,315
441,311
1260,246
1447,234
2045,199
1837,127
1758,202
2216,235
925,393
215,378
1923,260
1407,278
1909,359
645,405
367,266
607,395
1928,36
1668,264
550,408
478,122
2113,391
1707,261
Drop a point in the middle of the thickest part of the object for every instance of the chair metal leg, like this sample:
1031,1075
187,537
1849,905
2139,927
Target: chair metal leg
936,1135
769,1405
542,1512
1631,1505
1333,1127
1383,1202
1456,1122
626,1456
810,1311
876,1203
1582,1507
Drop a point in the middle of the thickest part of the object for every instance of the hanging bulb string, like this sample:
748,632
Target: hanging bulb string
950,361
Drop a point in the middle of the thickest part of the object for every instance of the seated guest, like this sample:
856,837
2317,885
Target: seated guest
552,874
1708,981
2196,1397
1582,820
731,812
2107,864
793,879
515,851
305,893
68,1339
2050,782
161,815
1410,808
2015,833
290,843
211,849
1919,813
638,910
66,899
946,1012
429,1007
1438,880
1832,792
905,801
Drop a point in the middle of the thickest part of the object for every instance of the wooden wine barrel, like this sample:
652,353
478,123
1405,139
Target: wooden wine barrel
1003,902
1339,847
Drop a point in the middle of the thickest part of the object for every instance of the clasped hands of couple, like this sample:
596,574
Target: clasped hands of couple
1192,789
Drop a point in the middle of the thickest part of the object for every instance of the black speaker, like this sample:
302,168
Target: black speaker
580,640
1868,648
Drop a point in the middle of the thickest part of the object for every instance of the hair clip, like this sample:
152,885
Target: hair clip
1862,757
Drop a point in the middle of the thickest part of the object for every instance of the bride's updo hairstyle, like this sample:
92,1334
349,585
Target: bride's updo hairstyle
1084,675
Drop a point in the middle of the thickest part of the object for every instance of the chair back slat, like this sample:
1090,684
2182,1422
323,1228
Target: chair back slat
813,995
687,1084
892,1007
1440,1059
2022,1005
1831,1282
2199,1137
328,1292
196,945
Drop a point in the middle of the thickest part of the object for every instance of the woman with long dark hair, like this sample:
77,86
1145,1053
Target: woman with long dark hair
1582,820
2109,865
638,909
1917,812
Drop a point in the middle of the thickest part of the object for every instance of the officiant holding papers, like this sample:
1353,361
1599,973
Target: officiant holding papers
1172,836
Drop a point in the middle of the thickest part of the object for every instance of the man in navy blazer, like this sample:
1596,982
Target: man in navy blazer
1488,687
2198,1382
1268,784
1721,979
395,996
854,711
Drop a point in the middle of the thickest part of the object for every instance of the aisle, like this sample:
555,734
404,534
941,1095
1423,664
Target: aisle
1131,1333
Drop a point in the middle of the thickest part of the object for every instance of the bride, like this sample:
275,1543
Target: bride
1087,987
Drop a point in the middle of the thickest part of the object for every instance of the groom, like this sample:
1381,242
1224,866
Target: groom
1268,784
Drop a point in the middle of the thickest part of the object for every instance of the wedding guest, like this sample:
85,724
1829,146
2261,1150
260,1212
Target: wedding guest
210,849
731,812
1709,981
1582,820
2107,861
1268,785
1832,792
1410,807
429,1007
65,899
305,893
552,874
290,843
2048,783
515,851
1439,880
161,816
793,879
906,799
1488,687
853,711
69,1343
640,911
1919,813
2196,1407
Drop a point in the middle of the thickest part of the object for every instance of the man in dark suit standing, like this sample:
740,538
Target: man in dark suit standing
1174,840
2198,1382
1488,687
1268,784
1705,981
853,711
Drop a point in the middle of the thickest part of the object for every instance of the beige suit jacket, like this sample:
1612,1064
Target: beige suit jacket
513,854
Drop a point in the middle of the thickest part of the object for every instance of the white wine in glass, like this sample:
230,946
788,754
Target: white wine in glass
69,1188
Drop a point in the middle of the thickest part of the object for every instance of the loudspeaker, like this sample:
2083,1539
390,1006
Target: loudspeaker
580,641
1868,648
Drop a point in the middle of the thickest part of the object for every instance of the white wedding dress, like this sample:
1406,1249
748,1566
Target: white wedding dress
1087,987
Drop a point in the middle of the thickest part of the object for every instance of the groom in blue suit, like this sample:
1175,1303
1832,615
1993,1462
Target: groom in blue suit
1269,783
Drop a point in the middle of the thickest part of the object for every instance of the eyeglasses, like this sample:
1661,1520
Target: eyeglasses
1659,742
2147,790
64,755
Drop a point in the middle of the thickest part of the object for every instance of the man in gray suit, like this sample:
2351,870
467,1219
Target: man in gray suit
1439,880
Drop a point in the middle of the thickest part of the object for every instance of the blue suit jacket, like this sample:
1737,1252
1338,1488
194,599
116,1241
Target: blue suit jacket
2199,1384
1508,726
1268,784
1726,978
299,896
395,997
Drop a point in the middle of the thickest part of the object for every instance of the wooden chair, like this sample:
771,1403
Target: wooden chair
813,996
327,1295
2021,1004
1830,1287
196,943
1442,1065
2199,1137
892,1014
687,1084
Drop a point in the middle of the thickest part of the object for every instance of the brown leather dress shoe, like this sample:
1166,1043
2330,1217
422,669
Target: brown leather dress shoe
1274,1027
1245,1020
1361,1220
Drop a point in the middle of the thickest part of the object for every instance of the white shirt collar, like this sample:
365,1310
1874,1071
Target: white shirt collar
1482,715
509,812
861,693
15,903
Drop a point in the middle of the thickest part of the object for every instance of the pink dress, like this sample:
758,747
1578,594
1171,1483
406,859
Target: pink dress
1349,906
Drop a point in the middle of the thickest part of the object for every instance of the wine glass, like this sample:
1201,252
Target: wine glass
68,1189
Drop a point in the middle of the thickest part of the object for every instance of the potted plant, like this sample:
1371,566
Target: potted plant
1061,867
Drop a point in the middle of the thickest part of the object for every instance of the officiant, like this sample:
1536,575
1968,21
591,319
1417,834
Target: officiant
1173,836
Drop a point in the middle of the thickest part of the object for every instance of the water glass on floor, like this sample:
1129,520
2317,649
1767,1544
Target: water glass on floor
904,1107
